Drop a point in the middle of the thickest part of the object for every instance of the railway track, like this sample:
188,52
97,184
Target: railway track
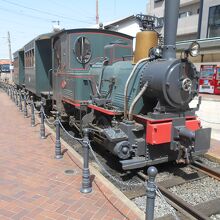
185,210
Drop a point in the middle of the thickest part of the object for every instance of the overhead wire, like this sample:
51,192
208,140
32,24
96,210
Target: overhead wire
74,9
44,12
22,14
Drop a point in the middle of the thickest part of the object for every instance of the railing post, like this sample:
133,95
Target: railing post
25,105
16,97
42,126
13,94
7,89
32,112
20,101
58,153
86,182
10,92
151,193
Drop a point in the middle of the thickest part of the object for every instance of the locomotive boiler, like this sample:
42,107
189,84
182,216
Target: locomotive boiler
136,107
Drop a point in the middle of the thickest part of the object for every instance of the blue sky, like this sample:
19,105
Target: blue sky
25,19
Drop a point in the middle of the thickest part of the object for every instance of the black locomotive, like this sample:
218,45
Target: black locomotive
137,107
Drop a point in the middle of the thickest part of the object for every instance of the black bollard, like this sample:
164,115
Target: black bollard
12,96
151,192
42,126
86,182
15,98
16,95
7,89
25,105
20,101
58,153
32,112
15,101
10,92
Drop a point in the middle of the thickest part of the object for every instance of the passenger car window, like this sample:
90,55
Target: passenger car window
83,50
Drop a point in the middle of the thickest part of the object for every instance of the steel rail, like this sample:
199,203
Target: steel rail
205,169
178,201
182,204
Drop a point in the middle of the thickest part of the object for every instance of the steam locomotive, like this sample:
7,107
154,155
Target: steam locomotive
136,106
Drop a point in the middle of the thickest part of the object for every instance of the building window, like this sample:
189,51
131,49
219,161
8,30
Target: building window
185,14
214,21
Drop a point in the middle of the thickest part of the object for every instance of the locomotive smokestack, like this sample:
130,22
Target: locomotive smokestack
171,15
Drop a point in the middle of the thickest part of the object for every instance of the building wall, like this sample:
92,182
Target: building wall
5,61
130,27
206,6
188,25
188,21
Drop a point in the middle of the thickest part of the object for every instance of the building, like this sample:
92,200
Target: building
197,18
128,25
188,17
4,61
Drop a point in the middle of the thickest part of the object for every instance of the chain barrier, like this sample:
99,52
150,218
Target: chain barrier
210,122
31,103
131,184
77,139
128,184
166,203
35,110
46,118
28,100
108,174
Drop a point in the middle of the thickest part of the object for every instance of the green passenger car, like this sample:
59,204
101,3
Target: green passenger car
18,74
38,64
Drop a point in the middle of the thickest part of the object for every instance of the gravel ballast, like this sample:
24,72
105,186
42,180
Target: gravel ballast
161,208
198,191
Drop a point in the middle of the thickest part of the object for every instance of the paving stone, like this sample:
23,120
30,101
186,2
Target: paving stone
33,185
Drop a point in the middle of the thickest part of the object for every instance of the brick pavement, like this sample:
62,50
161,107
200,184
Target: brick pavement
33,184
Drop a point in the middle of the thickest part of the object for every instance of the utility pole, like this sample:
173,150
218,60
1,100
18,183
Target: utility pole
10,56
97,12
56,27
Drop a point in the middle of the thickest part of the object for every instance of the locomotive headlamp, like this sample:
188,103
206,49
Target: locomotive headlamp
155,52
194,49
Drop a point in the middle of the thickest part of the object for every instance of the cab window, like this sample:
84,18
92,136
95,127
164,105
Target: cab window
82,50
